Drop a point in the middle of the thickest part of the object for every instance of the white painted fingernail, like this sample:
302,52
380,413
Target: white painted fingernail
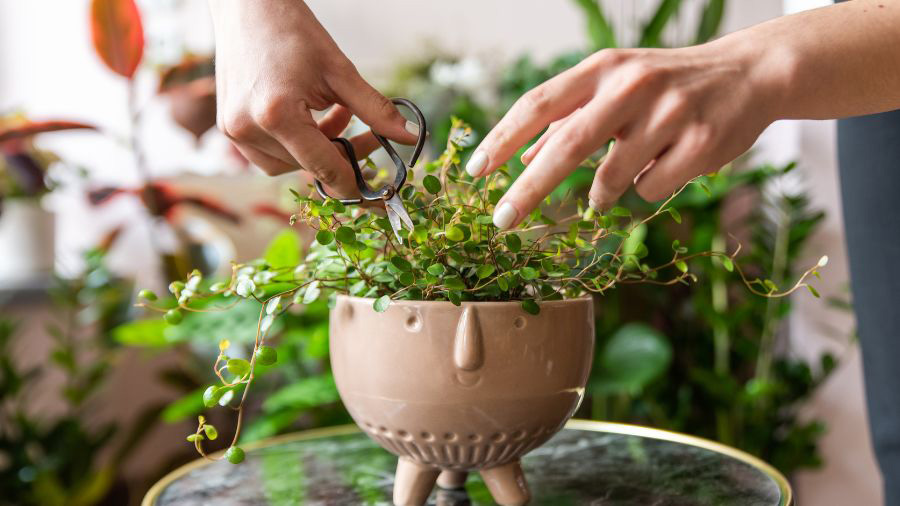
527,152
412,128
477,164
505,215
593,205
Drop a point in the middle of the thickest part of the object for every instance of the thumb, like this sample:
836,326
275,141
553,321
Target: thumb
374,109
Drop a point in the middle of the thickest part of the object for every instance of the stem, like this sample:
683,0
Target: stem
779,266
721,338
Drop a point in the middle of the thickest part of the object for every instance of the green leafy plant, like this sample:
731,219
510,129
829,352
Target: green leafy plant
453,253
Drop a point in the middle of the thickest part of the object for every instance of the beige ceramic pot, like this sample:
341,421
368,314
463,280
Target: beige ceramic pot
451,389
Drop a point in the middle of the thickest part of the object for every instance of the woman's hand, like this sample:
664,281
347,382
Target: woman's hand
274,64
674,114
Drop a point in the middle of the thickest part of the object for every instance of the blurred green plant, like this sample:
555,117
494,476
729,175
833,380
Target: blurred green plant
60,459
707,359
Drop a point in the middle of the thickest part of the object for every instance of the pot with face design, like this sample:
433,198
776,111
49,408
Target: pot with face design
450,389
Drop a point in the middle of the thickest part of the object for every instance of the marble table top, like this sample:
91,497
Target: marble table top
589,463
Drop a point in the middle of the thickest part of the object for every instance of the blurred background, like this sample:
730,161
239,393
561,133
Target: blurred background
114,179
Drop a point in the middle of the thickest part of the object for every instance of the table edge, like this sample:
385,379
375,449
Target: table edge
579,424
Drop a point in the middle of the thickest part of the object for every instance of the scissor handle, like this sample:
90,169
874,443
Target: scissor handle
387,190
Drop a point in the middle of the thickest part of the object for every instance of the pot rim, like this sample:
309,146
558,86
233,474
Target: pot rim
492,303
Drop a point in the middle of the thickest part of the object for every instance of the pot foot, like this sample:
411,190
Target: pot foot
413,482
507,484
452,480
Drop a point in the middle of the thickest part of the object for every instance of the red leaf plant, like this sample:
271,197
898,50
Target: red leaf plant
162,200
118,35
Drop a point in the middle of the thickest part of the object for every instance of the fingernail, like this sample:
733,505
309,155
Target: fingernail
505,215
594,205
527,153
412,128
477,164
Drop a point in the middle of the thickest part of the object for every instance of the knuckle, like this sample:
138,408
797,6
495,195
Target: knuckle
236,126
535,101
273,113
326,177
700,137
606,57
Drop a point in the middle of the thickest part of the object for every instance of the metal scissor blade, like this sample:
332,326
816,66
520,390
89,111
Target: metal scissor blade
397,213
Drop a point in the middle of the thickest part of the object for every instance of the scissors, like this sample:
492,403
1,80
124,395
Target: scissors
389,193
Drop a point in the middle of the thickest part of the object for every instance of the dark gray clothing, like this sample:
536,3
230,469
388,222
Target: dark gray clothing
869,155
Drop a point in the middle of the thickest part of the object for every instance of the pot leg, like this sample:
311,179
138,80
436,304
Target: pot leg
452,479
507,484
413,482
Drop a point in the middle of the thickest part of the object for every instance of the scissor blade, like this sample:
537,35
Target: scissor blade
395,222
397,205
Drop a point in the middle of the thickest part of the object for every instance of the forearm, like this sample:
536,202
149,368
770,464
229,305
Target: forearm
833,62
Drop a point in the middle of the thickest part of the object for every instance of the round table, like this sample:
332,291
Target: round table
586,463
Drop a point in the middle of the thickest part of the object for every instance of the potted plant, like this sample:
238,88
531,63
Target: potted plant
460,347
26,228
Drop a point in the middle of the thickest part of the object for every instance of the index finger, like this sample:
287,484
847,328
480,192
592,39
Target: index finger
550,101
571,144
317,154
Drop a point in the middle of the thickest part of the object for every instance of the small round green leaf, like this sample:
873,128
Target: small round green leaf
147,295
513,242
238,366
266,355
211,432
485,270
432,184
324,237
345,235
436,269
173,317
401,263
530,306
234,455
212,395
528,273
455,233
381,303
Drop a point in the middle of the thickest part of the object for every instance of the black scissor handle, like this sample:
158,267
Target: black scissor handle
387,190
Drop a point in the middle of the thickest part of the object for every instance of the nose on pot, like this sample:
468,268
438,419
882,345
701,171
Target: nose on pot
468,345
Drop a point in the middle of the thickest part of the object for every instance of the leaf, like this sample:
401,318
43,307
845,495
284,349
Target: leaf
283,250
272,305
813,291
238,366
514,242
401,263
728,264
324,237
266,323
681,265
303,394
312,293
436,269
530,306
620,211
144,333
212,395
118,35
675,214
345,234
22,131
710,20
381,303
455,297
633,357
185,407
432,184
528,273
598,28
455,233
650,36
454,283
485,271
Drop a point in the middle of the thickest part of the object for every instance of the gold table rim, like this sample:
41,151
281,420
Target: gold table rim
784,487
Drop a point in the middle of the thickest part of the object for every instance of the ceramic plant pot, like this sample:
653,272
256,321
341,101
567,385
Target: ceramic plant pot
26,243
452,389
